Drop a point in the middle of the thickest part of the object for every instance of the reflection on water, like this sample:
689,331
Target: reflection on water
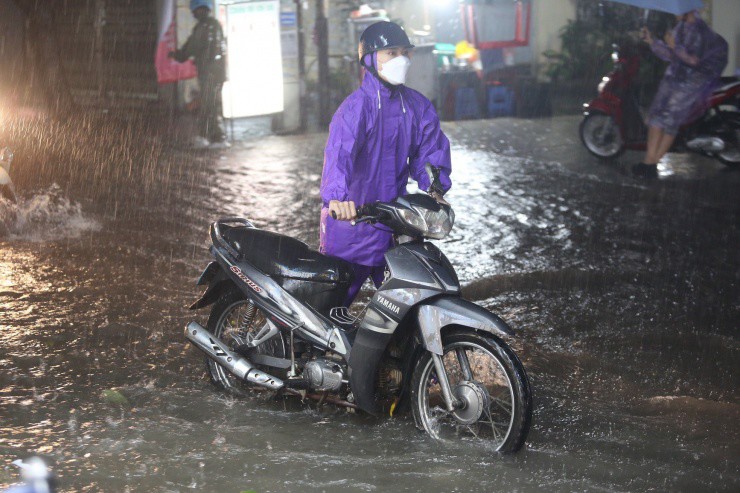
624,295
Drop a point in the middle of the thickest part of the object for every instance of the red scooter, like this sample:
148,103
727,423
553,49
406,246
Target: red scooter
614,120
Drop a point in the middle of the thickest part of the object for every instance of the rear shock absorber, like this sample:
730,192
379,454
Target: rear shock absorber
246,321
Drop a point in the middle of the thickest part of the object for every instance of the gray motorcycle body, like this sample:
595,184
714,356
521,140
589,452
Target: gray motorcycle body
421,292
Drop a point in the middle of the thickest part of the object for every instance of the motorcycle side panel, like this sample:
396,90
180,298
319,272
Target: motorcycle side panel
367,352
418,272
278,304
438,313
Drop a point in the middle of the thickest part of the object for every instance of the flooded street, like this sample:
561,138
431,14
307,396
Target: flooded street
625,295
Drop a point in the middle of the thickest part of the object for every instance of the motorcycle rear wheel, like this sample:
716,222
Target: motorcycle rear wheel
601,136
488,377
230,321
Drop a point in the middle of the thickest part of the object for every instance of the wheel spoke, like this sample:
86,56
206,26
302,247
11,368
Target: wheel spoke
473,431
496,434
498,402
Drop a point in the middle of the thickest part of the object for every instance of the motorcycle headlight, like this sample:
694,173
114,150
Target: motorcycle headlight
413,219
432,224
439,223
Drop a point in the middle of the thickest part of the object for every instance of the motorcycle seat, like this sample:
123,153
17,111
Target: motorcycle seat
727,84
282,256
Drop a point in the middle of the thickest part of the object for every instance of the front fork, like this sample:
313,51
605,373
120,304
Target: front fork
450,401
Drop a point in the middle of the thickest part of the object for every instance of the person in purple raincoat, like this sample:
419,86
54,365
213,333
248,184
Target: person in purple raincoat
382,133
697,57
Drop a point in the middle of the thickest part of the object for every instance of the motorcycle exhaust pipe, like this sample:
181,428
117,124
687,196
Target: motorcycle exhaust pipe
235,363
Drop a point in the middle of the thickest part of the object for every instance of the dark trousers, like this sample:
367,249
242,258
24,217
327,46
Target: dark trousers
211,109
362,272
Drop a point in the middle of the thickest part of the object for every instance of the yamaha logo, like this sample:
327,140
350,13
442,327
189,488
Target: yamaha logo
236,270
392,307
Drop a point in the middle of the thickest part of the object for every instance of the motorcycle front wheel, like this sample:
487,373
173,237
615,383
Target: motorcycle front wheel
235,320
601,136
488,379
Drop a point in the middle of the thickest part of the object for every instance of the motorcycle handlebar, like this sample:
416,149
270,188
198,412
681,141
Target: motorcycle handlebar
362,211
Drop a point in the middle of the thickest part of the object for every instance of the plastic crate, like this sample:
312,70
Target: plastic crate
500,101
466,103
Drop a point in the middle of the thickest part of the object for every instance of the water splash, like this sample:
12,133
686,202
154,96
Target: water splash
44,216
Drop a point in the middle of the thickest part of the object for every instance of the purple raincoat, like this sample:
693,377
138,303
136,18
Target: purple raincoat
377,137
696,64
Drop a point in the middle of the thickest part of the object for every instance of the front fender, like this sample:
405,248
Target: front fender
438,313
600,106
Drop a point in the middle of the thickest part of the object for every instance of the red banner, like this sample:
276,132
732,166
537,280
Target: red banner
168,70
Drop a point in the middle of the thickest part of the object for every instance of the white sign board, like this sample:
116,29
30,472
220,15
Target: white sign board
255,63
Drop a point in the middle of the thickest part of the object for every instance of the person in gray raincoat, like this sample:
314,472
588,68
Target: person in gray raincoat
381,134
206,46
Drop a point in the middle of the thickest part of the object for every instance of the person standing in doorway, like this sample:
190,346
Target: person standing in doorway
206,46
381,134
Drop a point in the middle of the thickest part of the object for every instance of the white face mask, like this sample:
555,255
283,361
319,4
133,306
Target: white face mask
395,70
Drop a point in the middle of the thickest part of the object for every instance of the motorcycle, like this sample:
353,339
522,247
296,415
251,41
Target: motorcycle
614,120
277,323
7,189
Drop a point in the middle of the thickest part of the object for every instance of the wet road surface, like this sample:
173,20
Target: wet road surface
625,295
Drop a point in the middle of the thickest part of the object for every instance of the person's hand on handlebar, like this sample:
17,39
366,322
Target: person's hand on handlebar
342,211
670,40
646,36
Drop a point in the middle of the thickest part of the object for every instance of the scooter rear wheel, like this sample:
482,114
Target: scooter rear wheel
235,320
601,137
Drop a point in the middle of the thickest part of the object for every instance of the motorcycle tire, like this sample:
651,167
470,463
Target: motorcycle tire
730,156
486,391
225,306
602,150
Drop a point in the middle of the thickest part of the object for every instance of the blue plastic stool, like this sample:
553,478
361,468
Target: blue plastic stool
466,103
500,101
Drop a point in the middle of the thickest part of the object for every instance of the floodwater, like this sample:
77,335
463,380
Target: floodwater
625,295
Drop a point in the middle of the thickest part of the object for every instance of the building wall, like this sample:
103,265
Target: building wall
103,48
548,18
12,63
725,16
